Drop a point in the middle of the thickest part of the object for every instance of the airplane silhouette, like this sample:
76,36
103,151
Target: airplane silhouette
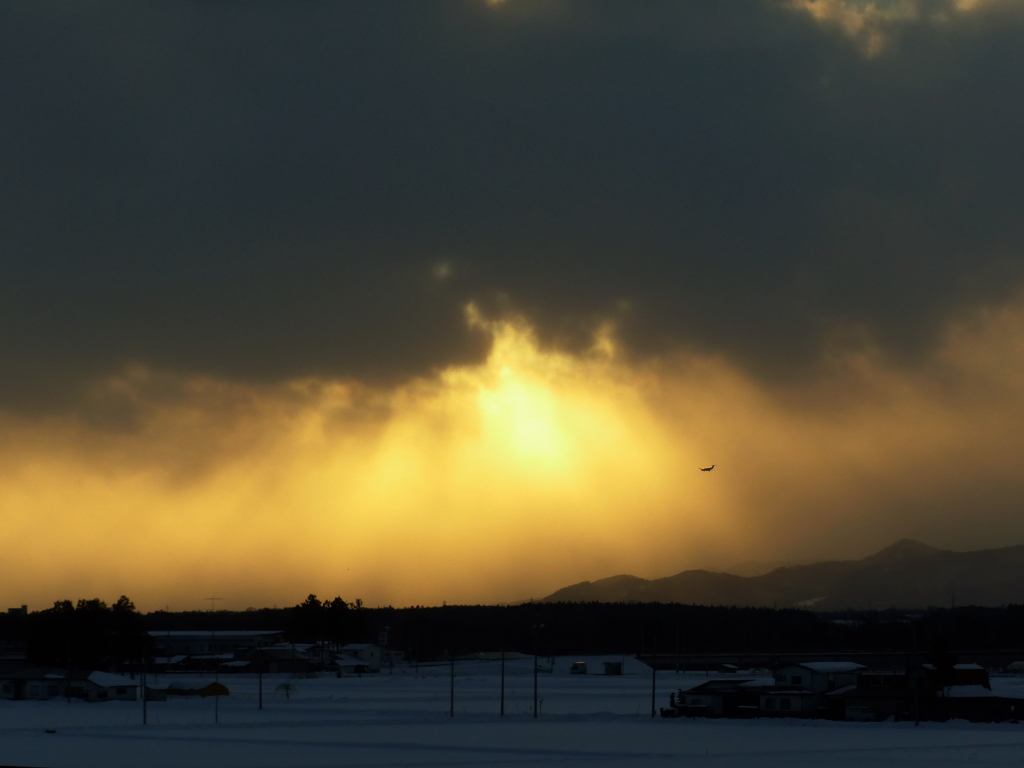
706,469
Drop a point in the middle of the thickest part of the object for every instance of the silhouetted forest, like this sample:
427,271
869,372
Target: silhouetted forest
88,634
91,634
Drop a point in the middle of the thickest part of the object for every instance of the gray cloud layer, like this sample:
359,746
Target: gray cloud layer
260,189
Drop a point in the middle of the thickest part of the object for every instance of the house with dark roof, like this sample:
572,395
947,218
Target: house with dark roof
957,692
723,697
33,684
977,703
280,658
881,694
802,690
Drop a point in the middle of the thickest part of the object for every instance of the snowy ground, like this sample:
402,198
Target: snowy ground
403,719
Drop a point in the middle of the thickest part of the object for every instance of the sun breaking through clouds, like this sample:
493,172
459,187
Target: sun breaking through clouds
448,300
508,479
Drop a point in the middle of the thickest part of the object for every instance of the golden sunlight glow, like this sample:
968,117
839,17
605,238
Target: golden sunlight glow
868,21
505,480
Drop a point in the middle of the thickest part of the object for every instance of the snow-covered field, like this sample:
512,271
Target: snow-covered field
403,719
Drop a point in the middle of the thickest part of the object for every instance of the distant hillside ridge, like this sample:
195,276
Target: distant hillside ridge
907,574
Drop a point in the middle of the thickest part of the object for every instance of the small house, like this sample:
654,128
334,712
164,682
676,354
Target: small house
818,676
280,658
801,690
723,697
344,664
51,683
368,653
102,686
39,684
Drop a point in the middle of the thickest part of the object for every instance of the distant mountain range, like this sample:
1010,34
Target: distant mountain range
907,574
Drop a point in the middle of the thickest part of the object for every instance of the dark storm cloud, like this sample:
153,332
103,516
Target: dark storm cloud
260,190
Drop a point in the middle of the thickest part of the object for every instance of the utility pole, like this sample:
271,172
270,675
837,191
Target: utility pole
536,651
216,663
654,672
451,705
535,682
677,645
144,699
915,680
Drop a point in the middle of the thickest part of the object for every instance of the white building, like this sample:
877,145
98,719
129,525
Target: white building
367,653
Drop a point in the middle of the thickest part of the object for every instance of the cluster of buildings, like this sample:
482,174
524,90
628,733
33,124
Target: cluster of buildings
263,651
837,690
843,690
56,683
203,651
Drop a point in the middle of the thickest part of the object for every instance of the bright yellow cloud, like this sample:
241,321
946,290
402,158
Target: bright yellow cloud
508,479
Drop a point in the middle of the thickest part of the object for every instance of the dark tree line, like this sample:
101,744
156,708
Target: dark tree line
594,628
333,621
645,628
91,634
87,635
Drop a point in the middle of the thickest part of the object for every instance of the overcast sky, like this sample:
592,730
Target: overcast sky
807,212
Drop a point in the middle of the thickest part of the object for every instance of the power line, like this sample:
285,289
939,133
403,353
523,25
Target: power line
213,602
